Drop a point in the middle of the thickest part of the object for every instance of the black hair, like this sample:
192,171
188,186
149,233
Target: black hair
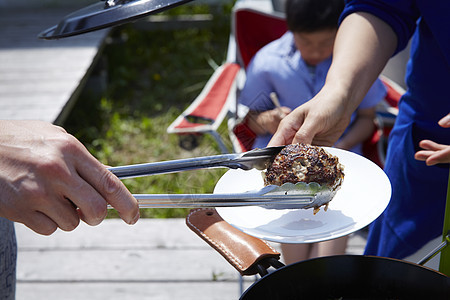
313,15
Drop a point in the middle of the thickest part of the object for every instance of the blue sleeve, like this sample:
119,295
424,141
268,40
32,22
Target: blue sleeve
401,15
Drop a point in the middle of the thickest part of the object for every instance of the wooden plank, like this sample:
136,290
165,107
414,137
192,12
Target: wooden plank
130,291
41,79
127,265
111,234
113,251
153,259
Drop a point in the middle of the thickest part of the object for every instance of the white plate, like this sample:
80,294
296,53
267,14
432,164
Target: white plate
363,196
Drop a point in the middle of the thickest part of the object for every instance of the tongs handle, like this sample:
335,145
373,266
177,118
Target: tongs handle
172,166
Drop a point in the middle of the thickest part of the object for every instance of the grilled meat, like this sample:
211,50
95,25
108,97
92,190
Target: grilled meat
305,163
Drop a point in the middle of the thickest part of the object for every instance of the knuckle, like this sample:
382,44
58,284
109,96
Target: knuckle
92,209
302,137
111,185
283,121
53,166
67,143
60,129
119,197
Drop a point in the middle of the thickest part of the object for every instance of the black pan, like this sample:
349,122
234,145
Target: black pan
332,277
351,277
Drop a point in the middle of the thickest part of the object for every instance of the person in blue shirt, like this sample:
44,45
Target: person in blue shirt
371,31
294,68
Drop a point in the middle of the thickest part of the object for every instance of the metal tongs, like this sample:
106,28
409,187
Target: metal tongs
257,158
269,196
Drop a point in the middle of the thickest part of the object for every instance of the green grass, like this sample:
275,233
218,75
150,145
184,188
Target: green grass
152,77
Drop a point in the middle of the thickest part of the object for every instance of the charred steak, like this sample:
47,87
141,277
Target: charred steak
305,163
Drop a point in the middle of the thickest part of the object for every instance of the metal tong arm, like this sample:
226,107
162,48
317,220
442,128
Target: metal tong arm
246,161
220,200
173,166
267,196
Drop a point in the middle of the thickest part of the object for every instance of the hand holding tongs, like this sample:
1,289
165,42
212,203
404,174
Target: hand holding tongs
270,196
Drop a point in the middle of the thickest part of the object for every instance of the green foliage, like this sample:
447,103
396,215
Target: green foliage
152,77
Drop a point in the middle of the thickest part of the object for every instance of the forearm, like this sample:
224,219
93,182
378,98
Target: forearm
363,46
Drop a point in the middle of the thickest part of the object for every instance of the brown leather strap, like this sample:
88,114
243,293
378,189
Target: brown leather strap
241,250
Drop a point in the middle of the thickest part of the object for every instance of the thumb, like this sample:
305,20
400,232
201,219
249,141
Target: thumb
287,130
305,134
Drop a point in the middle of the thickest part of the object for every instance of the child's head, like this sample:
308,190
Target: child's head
314,24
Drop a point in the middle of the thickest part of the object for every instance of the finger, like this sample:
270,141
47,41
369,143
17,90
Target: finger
39,223
82,199
430,145
445,121
110,188
305,134
433,157
281,137
284,113
63,213
287,130
423,155
92,207
67,191
58,209
106,184
438,157
286,110
120,198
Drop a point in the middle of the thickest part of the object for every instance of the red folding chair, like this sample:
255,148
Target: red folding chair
253,28
209,109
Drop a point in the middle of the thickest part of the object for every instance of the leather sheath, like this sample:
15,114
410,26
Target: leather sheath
242,251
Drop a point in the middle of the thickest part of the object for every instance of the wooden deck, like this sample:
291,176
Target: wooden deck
154,259
41,79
